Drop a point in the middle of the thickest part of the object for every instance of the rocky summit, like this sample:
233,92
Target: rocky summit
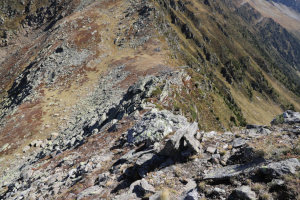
149,99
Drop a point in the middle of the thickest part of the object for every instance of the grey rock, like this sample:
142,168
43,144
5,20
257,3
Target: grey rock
219,191
244,154
208,135
192,195
73,173
225,157
5,147
56,187
53,135
191,141
191,184
155,125
26,174
230,171
243,193
295,130
167,163
215,158
238,142
211,149
141,186
288,117
102,178
94,190
26,148
145,84
291,117
198,135
37,143
155,196
125,196
277,182
256,130
147,162
277,169
175,143
144,158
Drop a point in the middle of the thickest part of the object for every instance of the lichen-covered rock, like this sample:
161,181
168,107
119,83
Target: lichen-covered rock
256,130
238,142
191,195
154,126
243,193
276,169
176,143
140,187
230,171
288,117
94,190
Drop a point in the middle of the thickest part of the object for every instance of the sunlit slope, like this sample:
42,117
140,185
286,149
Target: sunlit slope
236,47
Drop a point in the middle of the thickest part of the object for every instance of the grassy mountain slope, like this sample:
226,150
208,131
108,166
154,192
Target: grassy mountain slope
294,4
231,45
283,12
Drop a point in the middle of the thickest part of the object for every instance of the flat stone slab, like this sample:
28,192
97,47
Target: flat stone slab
230,171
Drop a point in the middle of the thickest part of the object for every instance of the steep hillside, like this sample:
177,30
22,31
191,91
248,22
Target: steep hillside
138,99
219,39
286,13
294,4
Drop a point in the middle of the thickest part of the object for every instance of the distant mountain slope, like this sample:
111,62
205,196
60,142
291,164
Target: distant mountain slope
294,4
279,11
237,42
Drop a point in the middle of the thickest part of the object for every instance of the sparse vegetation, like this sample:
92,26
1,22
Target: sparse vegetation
157,92
278,120
202,186
265,196
293,184
272,147
257,187
165,195
240,61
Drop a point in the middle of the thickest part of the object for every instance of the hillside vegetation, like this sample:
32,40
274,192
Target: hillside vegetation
237,49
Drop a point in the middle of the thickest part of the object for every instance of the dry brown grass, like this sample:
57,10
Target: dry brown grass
165,195
275,148
266,196
257,187
286,19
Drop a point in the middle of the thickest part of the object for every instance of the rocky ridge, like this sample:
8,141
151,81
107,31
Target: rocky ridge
187,163
90,117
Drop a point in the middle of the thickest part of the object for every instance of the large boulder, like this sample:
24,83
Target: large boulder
288,117
230,171
184,135
256,130
276,169
154,126
140,187
91,191
243,193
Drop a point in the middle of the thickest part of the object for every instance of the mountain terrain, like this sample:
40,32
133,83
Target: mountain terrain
159,99
294,4
286,13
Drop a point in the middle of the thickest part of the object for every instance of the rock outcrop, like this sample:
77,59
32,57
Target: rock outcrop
288,117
